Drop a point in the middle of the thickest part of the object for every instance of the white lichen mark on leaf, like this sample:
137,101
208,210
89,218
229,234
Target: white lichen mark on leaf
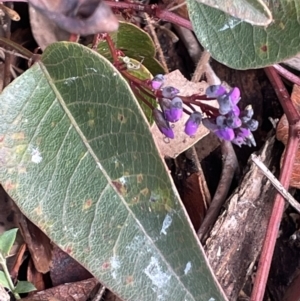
166,224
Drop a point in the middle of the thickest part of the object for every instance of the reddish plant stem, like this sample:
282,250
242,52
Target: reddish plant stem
287,74
139,95
285,176
289,109
153,10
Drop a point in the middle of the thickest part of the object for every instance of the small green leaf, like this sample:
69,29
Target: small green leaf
134,43
7,240
3,280
255,12
241,45
24,287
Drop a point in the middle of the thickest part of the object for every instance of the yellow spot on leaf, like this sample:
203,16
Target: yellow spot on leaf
9,185
18,136
38,210
87,204
145,191
140,178
91,123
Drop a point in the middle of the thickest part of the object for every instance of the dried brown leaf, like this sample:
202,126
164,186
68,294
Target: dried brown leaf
59,18
282,135
76,291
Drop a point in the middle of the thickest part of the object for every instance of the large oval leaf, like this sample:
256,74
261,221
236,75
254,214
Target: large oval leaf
77,156
242,46
254,12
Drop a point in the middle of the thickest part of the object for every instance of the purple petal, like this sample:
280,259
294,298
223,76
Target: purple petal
173,114
169,92
220,120
192,124
225,104
210,124
252,125
162,124
225,133
157,81
234,95
238,141
244,132
233,122
215,91
235,110
176,111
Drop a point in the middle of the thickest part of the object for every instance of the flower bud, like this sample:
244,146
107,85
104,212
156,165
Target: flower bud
192,124
225,105
248,112
252,125
169,92
215,91
175,110
157,81
233,122
162,124
225,133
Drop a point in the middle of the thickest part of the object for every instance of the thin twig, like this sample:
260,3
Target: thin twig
284,178
275,182
230,166
200,69
160,53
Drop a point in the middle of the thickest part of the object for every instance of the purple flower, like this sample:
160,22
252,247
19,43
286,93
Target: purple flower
192,124
162,124
225,133
215,91
244,136
234,95
157,81
252,125
233,122
174,112
225,104
169,92
235,110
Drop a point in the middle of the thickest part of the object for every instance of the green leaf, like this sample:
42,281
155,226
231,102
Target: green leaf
7,240
240,45
141,72
3,280
254,12
134,43
23,287
78,158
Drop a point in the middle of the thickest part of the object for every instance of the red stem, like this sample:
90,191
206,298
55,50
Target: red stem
285,176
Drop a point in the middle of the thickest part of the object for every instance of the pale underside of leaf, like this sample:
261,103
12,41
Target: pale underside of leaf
255,12
78,158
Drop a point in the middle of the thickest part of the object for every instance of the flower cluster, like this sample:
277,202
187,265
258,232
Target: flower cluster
230,124
172,110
